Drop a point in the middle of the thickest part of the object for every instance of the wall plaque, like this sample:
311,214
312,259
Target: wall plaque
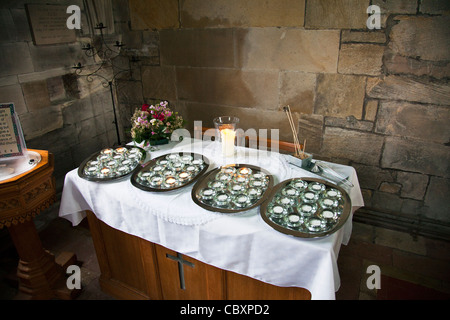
48,24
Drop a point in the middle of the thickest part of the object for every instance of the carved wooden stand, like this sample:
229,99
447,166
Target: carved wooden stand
22,197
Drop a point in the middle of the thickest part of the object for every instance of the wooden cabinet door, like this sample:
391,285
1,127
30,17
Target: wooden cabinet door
184,278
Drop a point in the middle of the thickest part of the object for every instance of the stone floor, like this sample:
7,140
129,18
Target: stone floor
410,268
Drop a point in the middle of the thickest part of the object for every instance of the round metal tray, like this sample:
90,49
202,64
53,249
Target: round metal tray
301,221
211,176
117,176
135,181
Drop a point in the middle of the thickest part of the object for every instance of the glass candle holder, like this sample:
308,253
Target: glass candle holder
255,193
332,193
222,176
228,170
168,172
241,200
156,180
222,199
192,168
104,158
177,165
106,172
315,224
207,194
257,183
306,209
187,158
121,170
328,203
226,133
276,211
293,220
184,176
143,176
328,216
240,178
244,171
173,157
170,182
290,192
216,185
316,187
309,197
121,150
235,188
158,169
284,200
162,162
91,170
108,151
299,184
198,162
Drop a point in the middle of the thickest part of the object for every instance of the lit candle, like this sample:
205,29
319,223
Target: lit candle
244,171
170,181
227,136
107,151
121,150
105,171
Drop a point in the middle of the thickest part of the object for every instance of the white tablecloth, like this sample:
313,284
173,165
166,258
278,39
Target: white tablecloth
240,242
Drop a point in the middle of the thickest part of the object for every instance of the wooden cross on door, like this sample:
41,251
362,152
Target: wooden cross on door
181,261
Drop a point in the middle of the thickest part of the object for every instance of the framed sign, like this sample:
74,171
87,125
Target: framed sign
12,142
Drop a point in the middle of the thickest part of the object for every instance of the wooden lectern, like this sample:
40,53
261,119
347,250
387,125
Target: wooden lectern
21,198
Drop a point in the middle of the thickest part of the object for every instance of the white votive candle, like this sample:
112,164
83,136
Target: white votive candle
227,136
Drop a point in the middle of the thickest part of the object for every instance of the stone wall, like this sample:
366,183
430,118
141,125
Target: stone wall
60,112
374,99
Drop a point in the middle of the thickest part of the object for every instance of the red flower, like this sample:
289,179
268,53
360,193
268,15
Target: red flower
145,107
159,116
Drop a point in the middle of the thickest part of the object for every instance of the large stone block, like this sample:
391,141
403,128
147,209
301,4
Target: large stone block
435,6
425,122
437,199
250,118
339,14
36,95
357,146
409,89
420,46
57,56
40,122
238,13
288,49
310,128
340,95
240,88
158,83
197,47
297,90
371,177
13,93
426,38
15,58
363,59
414,185
415,156
153,14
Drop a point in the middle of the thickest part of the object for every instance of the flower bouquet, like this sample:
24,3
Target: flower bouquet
154,124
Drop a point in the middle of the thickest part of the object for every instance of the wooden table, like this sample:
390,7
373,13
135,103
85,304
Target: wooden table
23,197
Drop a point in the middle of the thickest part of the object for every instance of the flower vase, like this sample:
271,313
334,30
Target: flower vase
159,142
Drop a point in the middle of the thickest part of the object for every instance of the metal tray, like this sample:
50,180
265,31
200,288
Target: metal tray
170,167
115,172
290,210
254,177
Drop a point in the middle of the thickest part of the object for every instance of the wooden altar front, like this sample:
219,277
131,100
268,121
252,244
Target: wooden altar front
134,268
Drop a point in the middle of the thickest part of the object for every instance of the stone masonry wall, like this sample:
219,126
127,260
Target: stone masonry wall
374,99
69,116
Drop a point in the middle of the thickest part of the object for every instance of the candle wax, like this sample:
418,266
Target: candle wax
227,136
